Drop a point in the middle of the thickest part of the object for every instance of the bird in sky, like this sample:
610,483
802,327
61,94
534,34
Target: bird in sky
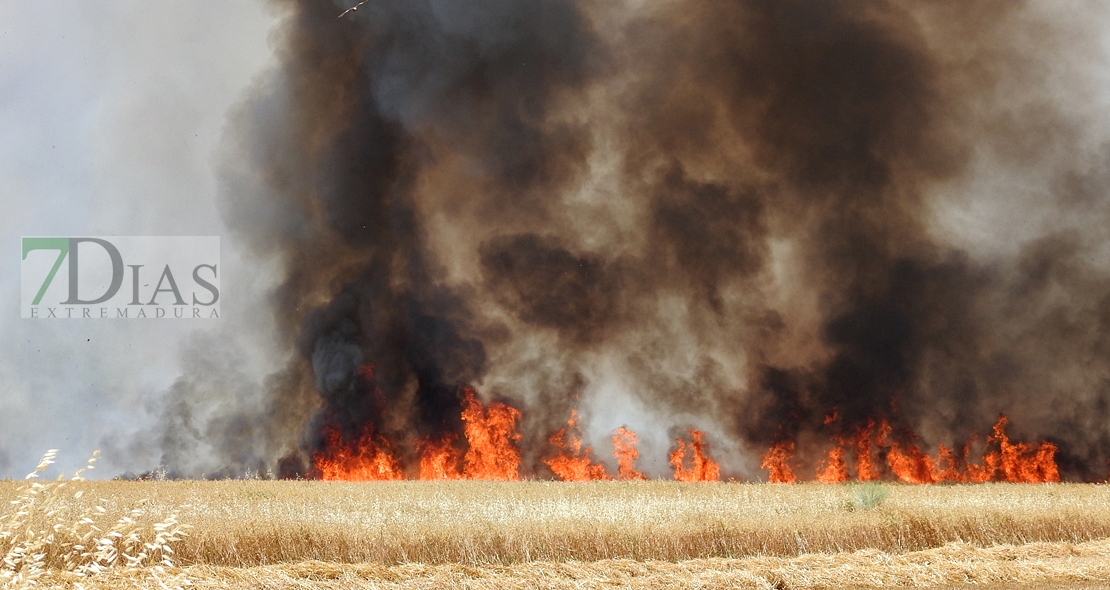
352,9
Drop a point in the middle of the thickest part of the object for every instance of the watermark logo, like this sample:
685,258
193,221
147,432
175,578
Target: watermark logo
120,277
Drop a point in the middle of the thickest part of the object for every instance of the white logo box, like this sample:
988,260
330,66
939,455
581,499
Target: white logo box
117,277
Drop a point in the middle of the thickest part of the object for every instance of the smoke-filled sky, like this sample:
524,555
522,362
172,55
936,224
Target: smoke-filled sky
111,114
738,216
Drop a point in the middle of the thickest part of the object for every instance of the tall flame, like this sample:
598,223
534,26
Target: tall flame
369,458
835,468
571,462
624,449
947,466
491,435
1020,462
908,463
439,459
777,461
703,468
866,470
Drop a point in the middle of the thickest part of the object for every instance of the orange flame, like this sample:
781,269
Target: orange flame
979,473
492,454
1003,461
951,470
777,461
439,459
491,434
703,469
572,463
370,458
835,469
624,449
865,464
1020,462
908,464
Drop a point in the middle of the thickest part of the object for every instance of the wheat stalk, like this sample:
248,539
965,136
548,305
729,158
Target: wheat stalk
38,536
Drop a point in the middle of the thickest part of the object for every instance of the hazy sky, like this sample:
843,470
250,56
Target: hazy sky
111,114
112,118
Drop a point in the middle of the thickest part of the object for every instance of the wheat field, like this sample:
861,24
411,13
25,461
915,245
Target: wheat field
653,534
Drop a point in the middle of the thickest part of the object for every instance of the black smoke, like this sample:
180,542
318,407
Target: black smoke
737,202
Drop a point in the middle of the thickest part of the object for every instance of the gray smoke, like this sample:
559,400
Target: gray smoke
111,114
735,215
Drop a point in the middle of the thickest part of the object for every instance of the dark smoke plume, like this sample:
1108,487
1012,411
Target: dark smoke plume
735,208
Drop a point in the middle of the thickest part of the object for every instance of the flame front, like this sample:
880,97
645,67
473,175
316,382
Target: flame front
874,451
777,461
866,470
703,468
439,459
369,458
491,434
1021,463
571,463
1002,461
835,469
624,450
491,452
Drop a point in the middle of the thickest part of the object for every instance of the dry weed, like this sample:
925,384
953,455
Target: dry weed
1037,566
249,523
485,535
43,532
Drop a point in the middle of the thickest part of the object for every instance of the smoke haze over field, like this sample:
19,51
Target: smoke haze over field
109,119
740,216
734,215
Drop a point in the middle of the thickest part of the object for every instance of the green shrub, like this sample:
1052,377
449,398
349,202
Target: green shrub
868,495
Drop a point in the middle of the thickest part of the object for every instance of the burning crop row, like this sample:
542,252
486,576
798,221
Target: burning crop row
744,213
492,453
1002,460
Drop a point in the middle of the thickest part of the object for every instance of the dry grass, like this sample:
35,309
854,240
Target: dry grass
657,534
250,523
40,534
1038,566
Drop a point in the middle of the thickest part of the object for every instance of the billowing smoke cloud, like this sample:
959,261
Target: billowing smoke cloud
742,211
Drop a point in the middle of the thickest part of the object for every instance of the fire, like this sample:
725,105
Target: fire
703,469
369,458
950,471
835,469
874,451
865,463
1003,460
777,461
572,463
909,464
491,453
439,459
624,449
1021,463
491,435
